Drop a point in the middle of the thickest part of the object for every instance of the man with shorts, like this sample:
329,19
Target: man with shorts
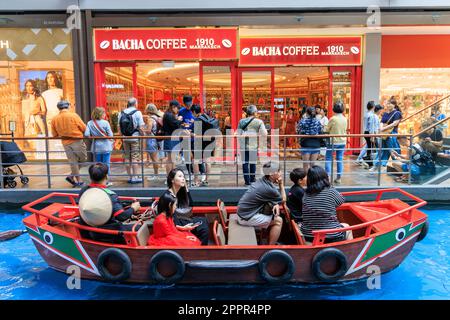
260,204
69,126
131,146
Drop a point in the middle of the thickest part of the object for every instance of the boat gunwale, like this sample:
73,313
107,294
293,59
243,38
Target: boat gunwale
131,236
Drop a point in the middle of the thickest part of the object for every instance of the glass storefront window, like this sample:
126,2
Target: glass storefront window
415,88
36,71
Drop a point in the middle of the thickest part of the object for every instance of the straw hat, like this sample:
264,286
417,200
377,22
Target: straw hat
152,109
95,207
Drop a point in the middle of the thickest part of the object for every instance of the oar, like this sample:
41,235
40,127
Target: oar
11,234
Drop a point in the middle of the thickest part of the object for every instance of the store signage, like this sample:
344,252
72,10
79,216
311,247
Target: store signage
4,44
300,51
166,44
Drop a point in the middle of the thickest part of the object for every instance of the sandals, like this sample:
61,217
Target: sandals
401,179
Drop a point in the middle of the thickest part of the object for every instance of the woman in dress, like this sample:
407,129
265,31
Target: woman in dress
290,127
177,188
34,110
52,95
165,233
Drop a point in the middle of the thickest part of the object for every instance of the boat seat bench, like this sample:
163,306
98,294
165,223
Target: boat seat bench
239,234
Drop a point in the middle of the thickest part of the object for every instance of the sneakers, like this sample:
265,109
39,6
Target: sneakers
358,162
365,165
134,180
337,181
70,180
109,184
78,184
151,178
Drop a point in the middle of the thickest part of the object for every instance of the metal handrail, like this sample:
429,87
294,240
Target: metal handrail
320,235
128,235
425,108
432,126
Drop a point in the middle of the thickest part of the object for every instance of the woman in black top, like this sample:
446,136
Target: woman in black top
319,207
295,195
171,122
182,216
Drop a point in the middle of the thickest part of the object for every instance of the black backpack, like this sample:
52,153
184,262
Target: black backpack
423,158
208,122
126,123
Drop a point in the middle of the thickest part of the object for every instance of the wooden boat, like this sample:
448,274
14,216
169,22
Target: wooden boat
384,231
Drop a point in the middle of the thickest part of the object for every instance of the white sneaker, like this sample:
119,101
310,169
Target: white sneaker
358,162
109,184
365,165
151,178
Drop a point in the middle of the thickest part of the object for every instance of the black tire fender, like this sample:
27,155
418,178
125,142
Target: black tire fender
125,263
276,254
155,275
424,231
324,254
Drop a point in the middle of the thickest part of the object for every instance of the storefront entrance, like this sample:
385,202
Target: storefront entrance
281,76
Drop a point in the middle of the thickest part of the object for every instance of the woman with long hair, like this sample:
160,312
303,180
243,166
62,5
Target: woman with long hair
52,94
177,188
389,125
165,233
310,126
34,109
319,207
98,126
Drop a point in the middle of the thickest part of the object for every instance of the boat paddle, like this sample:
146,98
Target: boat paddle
11,234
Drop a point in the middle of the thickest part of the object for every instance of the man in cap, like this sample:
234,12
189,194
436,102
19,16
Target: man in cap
70,128
103,212
260,204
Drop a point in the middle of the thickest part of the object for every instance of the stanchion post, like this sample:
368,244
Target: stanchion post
332,160
141,152
380,150
284,158
47,164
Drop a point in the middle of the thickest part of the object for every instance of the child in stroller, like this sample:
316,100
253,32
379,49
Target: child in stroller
11,156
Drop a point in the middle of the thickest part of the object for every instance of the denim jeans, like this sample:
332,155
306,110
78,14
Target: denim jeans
249,166
387,145
104,158
339,149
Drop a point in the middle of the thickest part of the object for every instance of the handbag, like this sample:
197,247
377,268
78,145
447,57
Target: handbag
183,216
102,132
385,138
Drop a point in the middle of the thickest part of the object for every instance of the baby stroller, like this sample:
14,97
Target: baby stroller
12,156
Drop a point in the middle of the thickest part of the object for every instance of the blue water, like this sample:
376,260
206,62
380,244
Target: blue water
425,274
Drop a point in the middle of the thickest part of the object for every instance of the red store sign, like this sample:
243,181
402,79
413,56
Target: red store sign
300,51
166,44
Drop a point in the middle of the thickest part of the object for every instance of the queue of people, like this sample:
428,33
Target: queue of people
179,120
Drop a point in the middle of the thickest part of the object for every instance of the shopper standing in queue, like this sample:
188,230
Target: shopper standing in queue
251,128
70,128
